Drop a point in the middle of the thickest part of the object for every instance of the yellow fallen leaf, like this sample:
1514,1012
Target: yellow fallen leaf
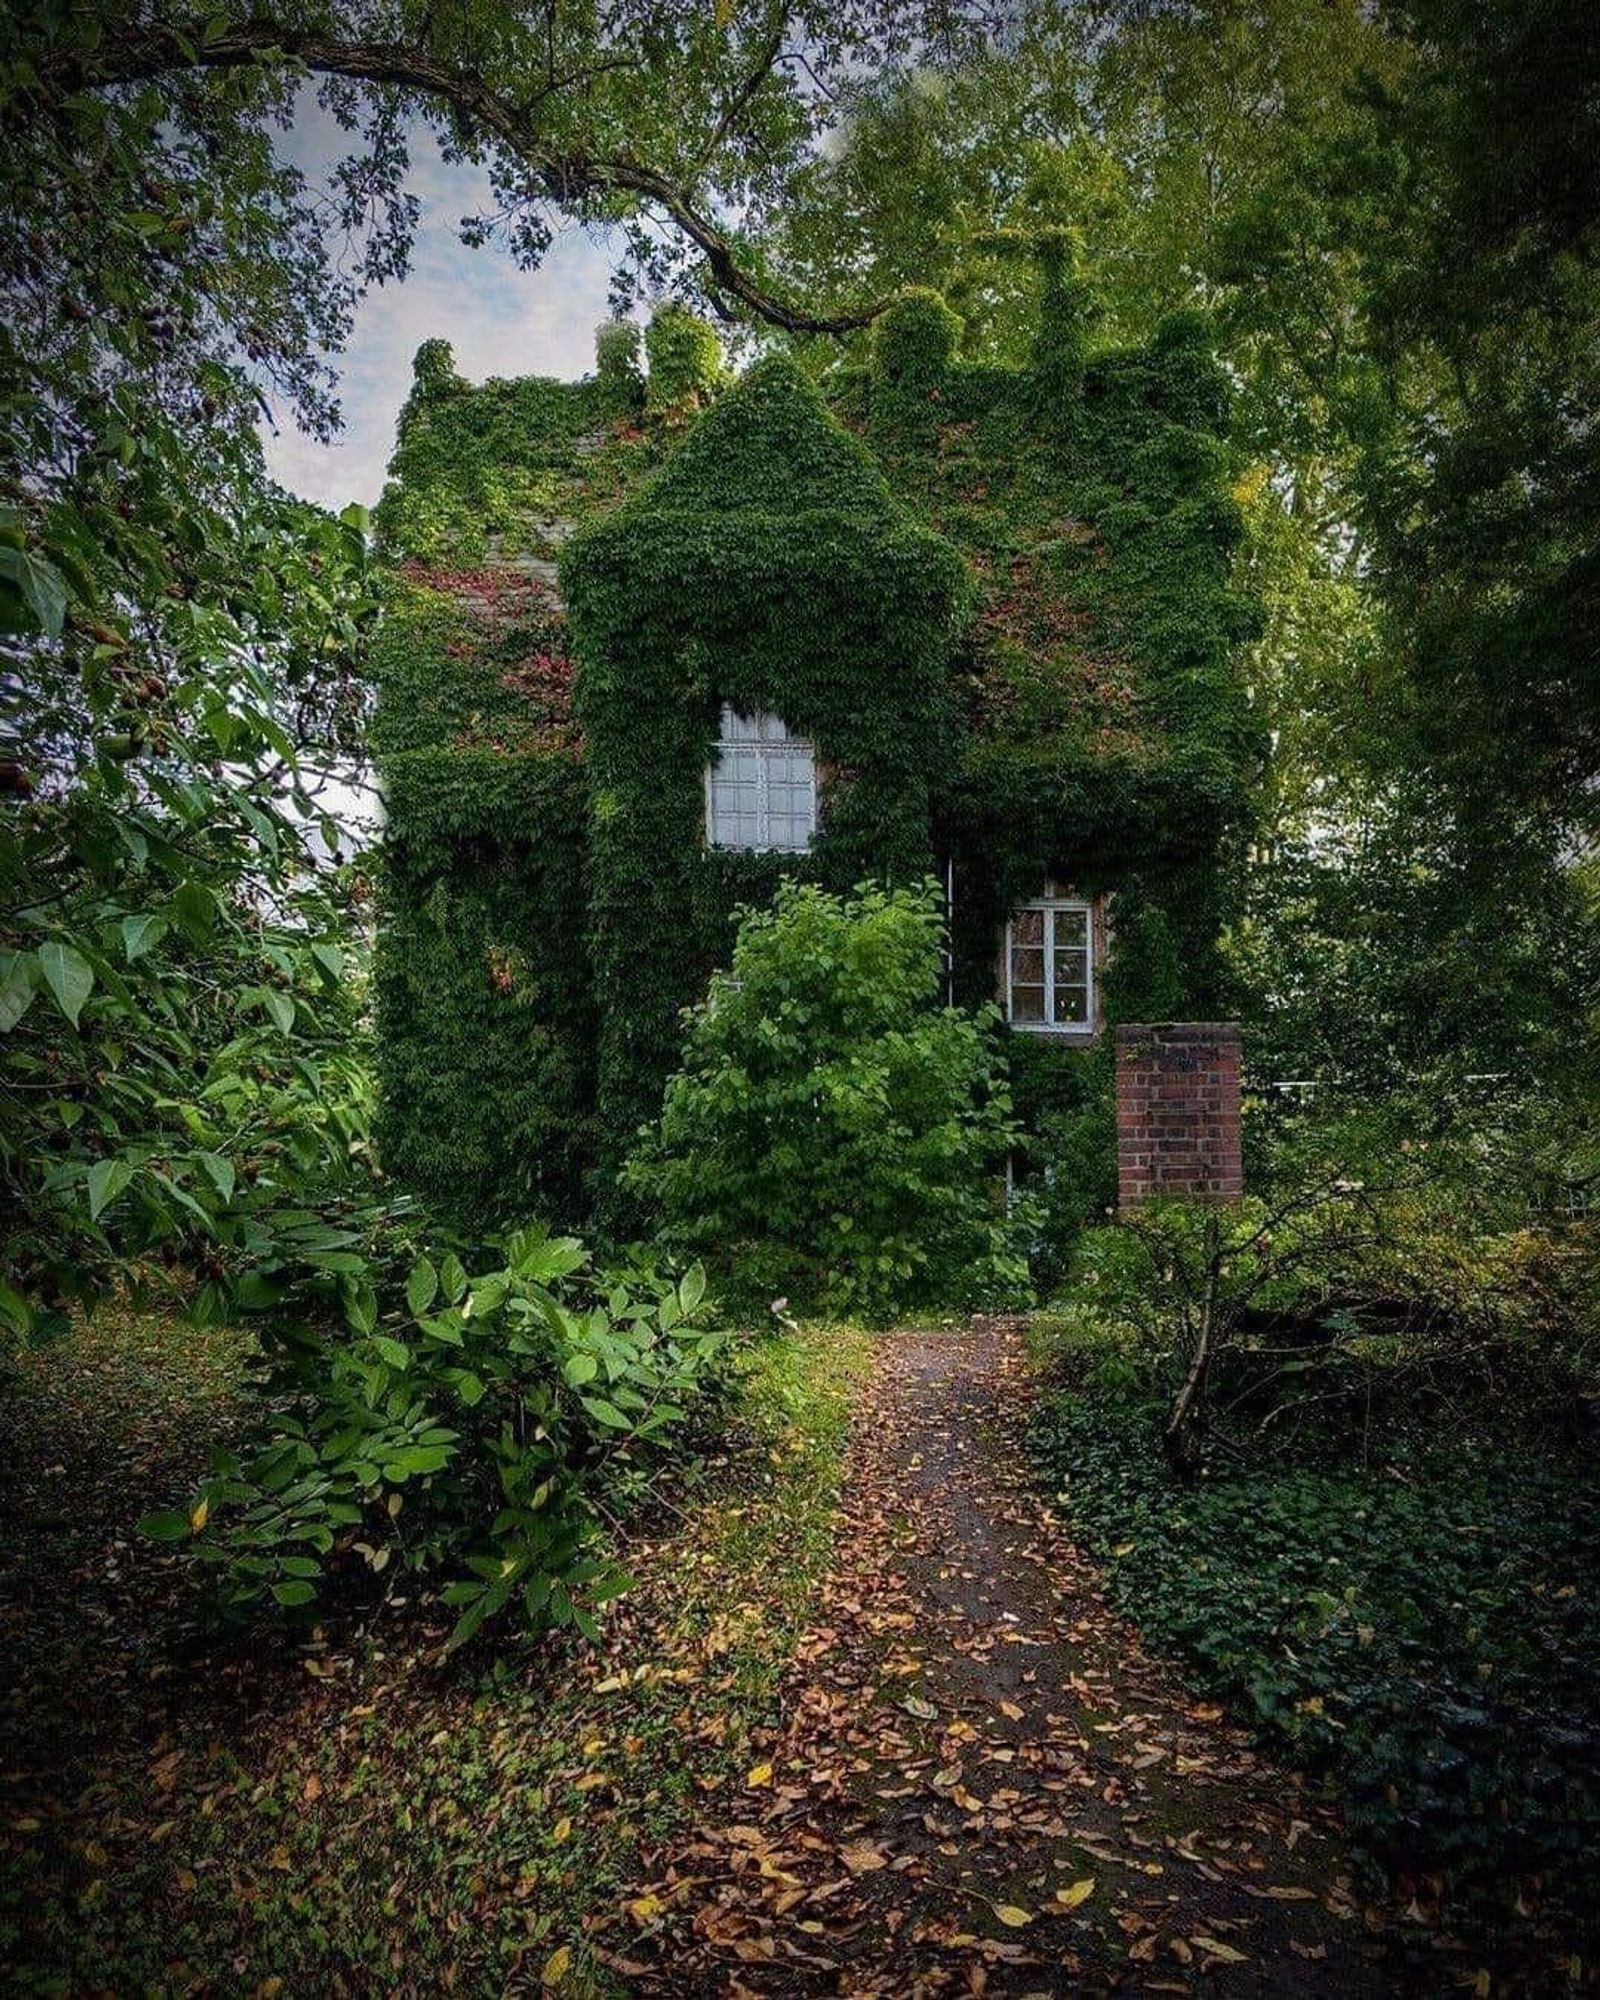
1008,1913
199,1515
758,1774
555,1966
186,1881
1079,1892
1124,1549
645,1908
560,1830
1010,1710
1214,1948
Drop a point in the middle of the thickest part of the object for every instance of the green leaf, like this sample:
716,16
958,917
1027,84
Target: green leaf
606,1413
422,1287
141,934
395,1352
580,1368
195,908
167,1524
693,1288
279,1006
68,975
452,1277
107,1179
291,1595
220,1172
40,586
16,987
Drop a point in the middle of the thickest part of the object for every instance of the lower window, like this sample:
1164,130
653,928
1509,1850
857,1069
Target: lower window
1050,967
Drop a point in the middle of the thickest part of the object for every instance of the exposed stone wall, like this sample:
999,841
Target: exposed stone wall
1178,1111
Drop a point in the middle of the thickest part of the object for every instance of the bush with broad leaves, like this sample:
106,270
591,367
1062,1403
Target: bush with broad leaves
834,1133
478,1437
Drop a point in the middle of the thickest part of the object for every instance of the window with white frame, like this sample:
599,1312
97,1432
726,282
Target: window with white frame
761,786
1050,967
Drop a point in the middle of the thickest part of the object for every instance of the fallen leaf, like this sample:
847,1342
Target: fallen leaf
758,1774
555,1966
1214,1948
862,1858
1008,1913
1079,1892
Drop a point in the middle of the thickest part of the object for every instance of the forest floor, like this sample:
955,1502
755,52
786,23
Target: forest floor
865,1726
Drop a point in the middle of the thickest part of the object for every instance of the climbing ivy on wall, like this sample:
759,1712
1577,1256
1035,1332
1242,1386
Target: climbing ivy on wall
998,601
767,567
485,1011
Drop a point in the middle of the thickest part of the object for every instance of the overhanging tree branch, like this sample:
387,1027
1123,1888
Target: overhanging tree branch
567,174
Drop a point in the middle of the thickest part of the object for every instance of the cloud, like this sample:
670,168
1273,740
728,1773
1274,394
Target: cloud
499,320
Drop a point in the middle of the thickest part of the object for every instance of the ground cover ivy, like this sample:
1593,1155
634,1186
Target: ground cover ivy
1421,1626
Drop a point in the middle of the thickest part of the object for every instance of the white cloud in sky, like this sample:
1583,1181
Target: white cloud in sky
499,320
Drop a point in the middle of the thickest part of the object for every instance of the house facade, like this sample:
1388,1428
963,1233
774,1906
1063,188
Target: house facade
657,640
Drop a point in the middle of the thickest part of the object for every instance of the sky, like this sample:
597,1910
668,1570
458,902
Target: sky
499,320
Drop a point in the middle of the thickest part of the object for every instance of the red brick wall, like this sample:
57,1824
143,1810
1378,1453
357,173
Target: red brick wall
1178,1111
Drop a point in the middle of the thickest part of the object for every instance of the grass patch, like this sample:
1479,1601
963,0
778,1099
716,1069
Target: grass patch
325,1816
1423,1625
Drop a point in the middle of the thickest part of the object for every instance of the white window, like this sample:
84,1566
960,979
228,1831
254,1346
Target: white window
1050,967
761,786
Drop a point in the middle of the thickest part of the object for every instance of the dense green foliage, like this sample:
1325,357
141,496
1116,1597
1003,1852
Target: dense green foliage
766,567
1066,704
834,1135
1418,1616
487,1425
1379,1537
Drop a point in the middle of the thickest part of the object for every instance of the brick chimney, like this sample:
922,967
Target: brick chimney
1178,1111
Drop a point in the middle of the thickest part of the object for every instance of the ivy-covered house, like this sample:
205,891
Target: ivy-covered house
657,639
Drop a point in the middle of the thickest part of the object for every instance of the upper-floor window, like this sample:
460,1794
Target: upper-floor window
1050,967
761,786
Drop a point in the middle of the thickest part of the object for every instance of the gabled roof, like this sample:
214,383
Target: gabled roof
768,445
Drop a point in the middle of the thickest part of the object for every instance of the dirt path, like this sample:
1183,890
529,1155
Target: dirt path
983,1785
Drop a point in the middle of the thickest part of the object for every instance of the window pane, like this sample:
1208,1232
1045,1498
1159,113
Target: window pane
1027,927
1027,966
1072,967
1027,1002
1072,928
762,788
1072,1004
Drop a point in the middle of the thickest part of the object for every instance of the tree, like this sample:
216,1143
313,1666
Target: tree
181,640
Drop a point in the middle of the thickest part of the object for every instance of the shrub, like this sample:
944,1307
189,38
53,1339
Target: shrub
833,1133
477,1436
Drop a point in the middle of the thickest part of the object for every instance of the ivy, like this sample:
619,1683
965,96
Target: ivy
998,601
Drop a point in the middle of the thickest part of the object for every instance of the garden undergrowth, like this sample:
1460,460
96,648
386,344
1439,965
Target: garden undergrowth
345,1812
1421,1626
